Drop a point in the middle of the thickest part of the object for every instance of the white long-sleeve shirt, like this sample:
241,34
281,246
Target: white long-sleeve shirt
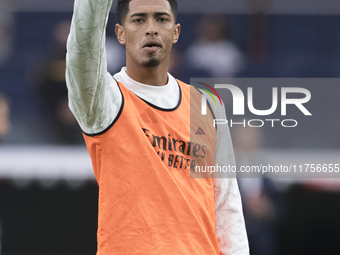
95,100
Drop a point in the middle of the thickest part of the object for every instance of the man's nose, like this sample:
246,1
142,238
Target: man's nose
152,28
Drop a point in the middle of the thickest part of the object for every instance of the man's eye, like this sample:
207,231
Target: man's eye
162,19
138,21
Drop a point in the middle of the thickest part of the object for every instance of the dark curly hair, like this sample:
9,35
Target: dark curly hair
123,9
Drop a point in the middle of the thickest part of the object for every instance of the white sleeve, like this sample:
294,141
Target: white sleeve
94,96
230,225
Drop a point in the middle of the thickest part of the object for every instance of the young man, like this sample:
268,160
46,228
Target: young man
136,126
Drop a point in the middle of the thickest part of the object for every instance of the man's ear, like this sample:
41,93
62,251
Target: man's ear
119,29
177,31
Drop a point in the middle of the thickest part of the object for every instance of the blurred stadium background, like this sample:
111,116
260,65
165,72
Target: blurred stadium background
48,194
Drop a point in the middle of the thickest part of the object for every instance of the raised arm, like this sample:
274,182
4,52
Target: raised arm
94,96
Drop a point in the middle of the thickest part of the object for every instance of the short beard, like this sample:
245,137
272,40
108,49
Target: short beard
153,62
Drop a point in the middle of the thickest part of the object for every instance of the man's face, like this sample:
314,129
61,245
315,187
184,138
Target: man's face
148,32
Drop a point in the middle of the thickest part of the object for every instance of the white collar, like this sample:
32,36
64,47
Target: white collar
166,96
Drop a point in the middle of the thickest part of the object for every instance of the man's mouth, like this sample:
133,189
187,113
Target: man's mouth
152,45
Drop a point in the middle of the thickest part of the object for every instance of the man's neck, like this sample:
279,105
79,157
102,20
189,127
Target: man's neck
156,76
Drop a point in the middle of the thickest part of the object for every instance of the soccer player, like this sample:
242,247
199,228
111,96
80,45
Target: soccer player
136,125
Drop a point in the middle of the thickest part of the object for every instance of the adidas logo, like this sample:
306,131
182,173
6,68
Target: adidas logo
200,131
